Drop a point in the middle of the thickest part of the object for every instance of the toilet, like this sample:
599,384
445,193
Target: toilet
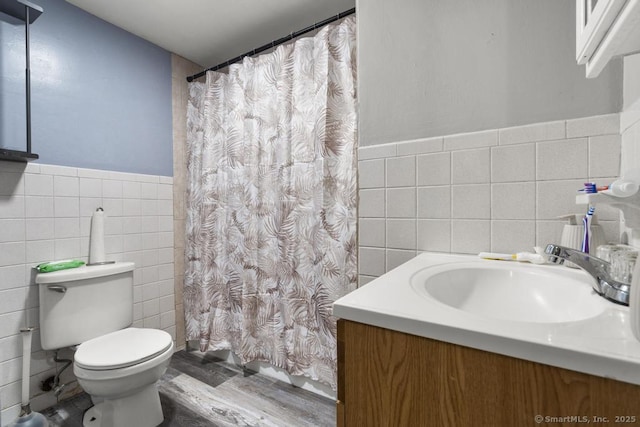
117,365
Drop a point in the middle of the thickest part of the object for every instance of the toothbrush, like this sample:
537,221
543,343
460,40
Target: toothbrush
590,188
536,258
587,229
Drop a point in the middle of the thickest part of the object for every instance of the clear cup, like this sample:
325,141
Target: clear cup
604,251
622,262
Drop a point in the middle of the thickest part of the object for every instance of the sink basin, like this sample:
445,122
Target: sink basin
543,313
511,291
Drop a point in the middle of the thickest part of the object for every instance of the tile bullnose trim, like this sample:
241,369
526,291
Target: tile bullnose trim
544,131
377,151
628,119
594,125
605,124
463,141
420,146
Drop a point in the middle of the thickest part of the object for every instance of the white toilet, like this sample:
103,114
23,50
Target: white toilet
115,364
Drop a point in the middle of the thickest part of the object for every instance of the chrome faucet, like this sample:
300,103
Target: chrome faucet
599,269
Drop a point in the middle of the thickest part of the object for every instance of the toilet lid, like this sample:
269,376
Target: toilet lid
123,348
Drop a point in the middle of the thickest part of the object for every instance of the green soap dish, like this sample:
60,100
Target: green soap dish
48,267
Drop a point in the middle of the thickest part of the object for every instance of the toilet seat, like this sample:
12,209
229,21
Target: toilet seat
114,374
122,349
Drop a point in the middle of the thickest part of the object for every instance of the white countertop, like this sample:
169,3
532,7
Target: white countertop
603,345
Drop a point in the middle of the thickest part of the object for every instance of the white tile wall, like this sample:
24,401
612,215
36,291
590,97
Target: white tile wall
471,201
396,257
401,234
45,214
434,202
630,148
434,235
604,155
371,232
371,173
401,171
513,200
401,202
434,169
562,159
496,190
372,203
513,163
470,166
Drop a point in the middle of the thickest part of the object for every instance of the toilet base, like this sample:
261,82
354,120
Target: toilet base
141,409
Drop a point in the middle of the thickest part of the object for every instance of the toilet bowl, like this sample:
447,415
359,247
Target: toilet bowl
119,371
118,366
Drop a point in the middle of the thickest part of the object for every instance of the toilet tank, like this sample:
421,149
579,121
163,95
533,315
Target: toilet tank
83,303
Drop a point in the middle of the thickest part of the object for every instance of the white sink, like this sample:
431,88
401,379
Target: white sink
542,313
511,291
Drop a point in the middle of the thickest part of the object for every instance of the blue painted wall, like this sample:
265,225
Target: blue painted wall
101,97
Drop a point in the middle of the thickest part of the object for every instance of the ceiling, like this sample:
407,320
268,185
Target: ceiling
209,32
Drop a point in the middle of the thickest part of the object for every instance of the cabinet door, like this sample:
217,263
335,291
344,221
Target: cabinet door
593,20
390,379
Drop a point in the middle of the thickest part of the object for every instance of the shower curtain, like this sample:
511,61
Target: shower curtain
271,194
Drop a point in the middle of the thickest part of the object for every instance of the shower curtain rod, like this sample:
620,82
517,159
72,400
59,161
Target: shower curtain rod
274,43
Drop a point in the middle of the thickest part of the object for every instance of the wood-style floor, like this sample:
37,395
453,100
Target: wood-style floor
204,391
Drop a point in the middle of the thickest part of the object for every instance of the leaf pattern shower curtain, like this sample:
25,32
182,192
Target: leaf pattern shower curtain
271,223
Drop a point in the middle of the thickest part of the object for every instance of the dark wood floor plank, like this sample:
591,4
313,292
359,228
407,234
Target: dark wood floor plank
209,371
69,413
295,401
177,415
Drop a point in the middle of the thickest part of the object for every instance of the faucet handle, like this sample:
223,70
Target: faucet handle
553,253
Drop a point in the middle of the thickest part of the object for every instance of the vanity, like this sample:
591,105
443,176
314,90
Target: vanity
453,340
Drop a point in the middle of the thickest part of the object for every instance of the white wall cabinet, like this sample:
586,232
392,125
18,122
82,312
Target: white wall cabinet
605,29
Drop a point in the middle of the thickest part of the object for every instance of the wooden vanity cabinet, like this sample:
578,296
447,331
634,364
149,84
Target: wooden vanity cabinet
388,378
